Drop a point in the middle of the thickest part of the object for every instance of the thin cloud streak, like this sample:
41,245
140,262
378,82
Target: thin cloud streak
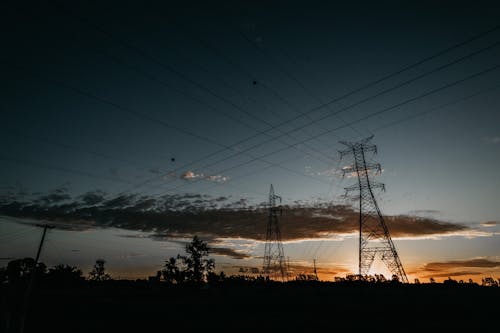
489,224
467,267
229,252
478,263
492,140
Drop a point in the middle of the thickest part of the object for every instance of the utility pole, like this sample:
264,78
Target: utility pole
288,270
274,257
374,238
31,282
315,271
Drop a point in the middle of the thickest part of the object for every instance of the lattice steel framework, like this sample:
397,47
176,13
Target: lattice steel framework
274,256
374,237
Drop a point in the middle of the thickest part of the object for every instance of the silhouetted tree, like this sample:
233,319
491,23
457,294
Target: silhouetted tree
339,279
489,282
450,281
193,267
197,267
3,275
98,273
395,279
306,277
172,273
19,270
214,278
64,275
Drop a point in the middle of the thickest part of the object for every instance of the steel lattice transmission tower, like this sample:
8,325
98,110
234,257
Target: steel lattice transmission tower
274,256
374,238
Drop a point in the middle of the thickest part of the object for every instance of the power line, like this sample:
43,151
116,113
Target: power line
287,73
441,106
369,84
478,93
136,114
37,138
372,97
373,114
159,63
366,86
241,69
178,73
162,82
61,169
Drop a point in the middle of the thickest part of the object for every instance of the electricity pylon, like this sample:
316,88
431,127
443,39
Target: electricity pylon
374,238
274,256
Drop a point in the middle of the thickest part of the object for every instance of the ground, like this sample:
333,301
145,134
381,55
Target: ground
294,307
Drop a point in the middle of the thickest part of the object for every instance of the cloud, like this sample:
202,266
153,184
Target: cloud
468,267
404,226
183,215
55,196
489,224
132,255
450,274
425,212
476,263
93,198
217,178
190,175
491,139
225,251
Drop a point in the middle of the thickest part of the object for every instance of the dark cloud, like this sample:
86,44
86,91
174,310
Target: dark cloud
225,251
175,216
450,274
55,196
447,265
410,226
93,198
458,268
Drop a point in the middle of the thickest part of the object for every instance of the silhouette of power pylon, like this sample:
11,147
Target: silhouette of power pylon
374,238
274,256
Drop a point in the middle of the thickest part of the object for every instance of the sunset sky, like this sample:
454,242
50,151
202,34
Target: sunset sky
132,126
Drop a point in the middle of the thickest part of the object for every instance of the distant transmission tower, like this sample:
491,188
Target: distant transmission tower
274,256
374,238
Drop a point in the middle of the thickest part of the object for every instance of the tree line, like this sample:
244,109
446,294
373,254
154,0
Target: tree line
193,268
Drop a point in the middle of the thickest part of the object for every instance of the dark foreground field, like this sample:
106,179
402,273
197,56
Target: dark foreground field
293,307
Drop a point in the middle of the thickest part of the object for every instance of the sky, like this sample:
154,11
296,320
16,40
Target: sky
133,126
